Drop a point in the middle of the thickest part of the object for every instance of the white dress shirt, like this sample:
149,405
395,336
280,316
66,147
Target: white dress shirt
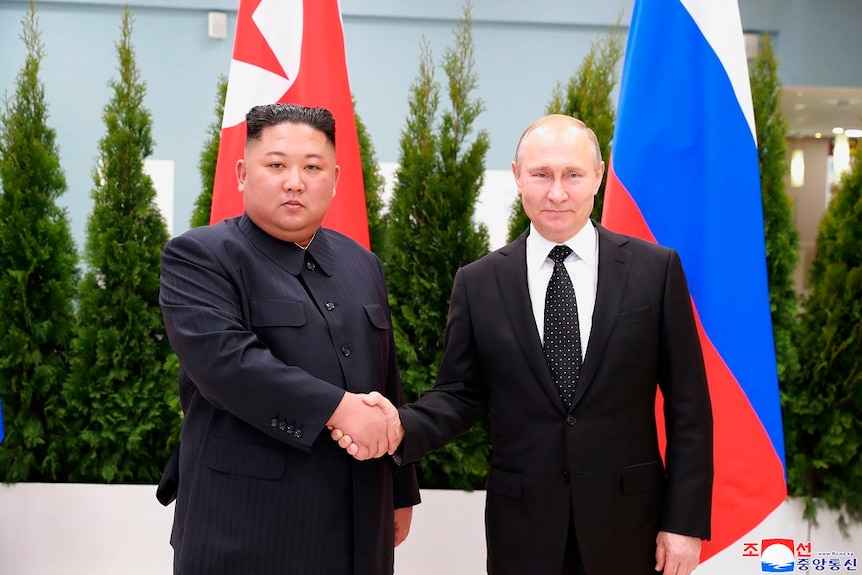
583,267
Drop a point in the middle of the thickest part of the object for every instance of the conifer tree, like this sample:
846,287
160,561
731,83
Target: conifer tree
373,181
37,272
781,235
431,233
823,409
121,387
208,159
586,96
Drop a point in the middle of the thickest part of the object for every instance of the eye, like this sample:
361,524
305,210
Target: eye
276,165
312,167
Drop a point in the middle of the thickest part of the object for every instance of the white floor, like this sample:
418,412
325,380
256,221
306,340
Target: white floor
73,529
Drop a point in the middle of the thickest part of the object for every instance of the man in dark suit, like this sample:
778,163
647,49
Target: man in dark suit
577,482
279,324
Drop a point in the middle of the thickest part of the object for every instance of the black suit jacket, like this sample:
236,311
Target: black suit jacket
268,339
600,458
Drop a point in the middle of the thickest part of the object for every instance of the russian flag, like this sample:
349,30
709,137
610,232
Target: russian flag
291,51
684,173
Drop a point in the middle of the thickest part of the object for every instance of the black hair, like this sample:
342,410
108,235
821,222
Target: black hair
260,117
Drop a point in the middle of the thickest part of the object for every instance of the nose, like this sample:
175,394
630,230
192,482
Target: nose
292,180
557,191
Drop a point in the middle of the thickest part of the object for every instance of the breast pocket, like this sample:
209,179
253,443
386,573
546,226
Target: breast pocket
639,315
378,317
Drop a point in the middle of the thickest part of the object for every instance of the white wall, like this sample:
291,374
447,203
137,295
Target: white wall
74,529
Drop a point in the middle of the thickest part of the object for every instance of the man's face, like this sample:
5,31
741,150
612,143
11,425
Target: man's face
288,181
557,178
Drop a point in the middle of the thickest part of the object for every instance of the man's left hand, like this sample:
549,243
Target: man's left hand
676,554
403,518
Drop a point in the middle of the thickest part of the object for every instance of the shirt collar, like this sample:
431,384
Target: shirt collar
288,255
583,244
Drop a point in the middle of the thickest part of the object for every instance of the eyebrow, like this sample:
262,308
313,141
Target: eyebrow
312,155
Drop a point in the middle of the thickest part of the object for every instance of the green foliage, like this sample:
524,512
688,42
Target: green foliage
208,160
373,180
823,409
122,417
431,233
782,238
37,273
586,96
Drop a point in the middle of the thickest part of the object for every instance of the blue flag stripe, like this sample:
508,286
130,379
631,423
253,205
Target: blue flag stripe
699,191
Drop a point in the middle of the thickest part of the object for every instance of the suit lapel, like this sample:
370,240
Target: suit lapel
511,273
614,269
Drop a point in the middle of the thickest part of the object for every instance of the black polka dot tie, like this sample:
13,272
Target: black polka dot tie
562,334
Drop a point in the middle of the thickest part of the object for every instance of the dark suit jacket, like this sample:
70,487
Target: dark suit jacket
600,458
268,339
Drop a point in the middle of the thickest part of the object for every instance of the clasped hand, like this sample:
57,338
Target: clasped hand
366,425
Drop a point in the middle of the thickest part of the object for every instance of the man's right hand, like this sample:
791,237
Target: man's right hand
393,435
365,424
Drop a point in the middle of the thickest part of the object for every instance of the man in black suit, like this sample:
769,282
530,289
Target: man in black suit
577,483
279,325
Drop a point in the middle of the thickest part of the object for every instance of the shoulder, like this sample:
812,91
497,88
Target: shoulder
636,245
342,241
210,236
509,259
345,245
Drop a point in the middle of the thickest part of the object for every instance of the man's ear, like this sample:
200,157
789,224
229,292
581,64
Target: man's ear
335,183
240,175
601,175
517,173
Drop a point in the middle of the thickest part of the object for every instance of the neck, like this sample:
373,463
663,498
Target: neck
305,243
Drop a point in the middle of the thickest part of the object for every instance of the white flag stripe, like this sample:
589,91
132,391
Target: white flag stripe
280,23
249,86
721,25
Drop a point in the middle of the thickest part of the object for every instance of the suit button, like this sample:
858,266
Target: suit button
345,350
571,419
298,434
330,306
289,429
310,265
273,422
565,476
282,425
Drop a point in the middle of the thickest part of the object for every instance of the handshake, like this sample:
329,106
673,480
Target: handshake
367,426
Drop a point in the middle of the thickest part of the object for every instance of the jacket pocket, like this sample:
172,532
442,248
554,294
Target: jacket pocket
638,315
506,483
277,312
245,459
377,315
643,477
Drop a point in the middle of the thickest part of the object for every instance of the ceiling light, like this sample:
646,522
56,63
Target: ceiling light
854,133
797,169
818,135
840,156
837,131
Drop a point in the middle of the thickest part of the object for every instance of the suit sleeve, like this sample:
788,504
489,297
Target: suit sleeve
404,481
458,397
687,413
202,308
